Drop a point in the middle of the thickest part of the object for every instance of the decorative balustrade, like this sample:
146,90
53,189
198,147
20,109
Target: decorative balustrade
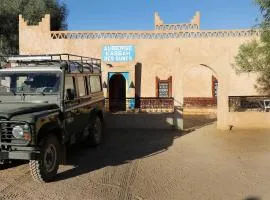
146,104
177,27
200,102
71,35
249,103
157,104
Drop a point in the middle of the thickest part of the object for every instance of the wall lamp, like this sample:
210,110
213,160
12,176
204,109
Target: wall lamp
104,85
131,85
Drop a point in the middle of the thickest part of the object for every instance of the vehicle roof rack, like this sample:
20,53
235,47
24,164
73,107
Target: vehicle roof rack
3,61
3,58
73,62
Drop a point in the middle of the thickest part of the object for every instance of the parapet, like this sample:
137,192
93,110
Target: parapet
44,24
193,25
30,35
158,20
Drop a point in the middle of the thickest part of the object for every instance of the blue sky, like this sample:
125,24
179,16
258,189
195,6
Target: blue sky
139,14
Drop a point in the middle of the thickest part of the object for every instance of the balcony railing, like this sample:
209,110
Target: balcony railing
115,104
200,102
143,104
249,103
156,104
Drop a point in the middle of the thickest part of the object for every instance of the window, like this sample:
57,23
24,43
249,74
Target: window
81,85
20,81
70,89
214,87
86,85
95,83
164,87
36,82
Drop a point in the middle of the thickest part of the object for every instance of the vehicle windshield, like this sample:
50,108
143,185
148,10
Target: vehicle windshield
33,82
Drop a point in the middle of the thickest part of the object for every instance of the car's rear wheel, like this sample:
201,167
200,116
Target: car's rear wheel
96,132
45,169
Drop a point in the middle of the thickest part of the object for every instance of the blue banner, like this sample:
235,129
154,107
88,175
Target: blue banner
118,53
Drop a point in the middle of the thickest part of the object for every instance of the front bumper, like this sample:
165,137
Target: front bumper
18,155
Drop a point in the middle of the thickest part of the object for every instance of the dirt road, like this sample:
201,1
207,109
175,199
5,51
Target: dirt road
151,164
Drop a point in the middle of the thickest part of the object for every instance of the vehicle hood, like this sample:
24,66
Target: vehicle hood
9,110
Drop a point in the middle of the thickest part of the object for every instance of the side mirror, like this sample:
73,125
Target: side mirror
70,95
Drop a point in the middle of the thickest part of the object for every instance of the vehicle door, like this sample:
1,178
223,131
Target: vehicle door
96,92
71,103
85,106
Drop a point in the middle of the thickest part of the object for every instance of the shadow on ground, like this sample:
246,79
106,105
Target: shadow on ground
121,146
125,145
195,121
252,198
12,163
140,120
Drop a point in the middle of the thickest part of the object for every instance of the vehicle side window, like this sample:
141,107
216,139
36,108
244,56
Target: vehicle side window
86,85
5,84
70,88
20,83
95,83
81,85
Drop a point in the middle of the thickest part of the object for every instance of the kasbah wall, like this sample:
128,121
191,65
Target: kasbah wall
169,50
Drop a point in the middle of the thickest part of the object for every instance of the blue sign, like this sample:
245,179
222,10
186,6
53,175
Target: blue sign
118,53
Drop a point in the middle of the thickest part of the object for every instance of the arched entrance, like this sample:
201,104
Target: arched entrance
117,93
200,91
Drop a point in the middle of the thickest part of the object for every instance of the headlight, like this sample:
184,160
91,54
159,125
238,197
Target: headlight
17,132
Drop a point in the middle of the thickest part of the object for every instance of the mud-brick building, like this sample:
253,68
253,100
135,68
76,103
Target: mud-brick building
163,69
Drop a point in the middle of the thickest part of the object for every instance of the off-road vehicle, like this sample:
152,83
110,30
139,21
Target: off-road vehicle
48,102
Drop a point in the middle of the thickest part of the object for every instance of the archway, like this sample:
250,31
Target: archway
117,93
200,91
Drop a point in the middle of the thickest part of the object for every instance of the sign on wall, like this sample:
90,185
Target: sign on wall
118,53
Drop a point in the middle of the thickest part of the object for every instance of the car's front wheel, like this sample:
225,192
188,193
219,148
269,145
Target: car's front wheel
45,168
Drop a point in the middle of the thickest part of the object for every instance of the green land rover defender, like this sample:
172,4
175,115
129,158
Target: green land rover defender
48,102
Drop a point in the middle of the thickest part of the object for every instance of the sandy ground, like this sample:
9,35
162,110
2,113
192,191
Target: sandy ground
151,164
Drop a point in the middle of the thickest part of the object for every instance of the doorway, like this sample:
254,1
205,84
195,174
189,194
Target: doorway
200,89
117,93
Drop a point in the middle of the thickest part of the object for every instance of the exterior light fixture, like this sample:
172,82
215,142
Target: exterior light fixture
131,85
104,85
